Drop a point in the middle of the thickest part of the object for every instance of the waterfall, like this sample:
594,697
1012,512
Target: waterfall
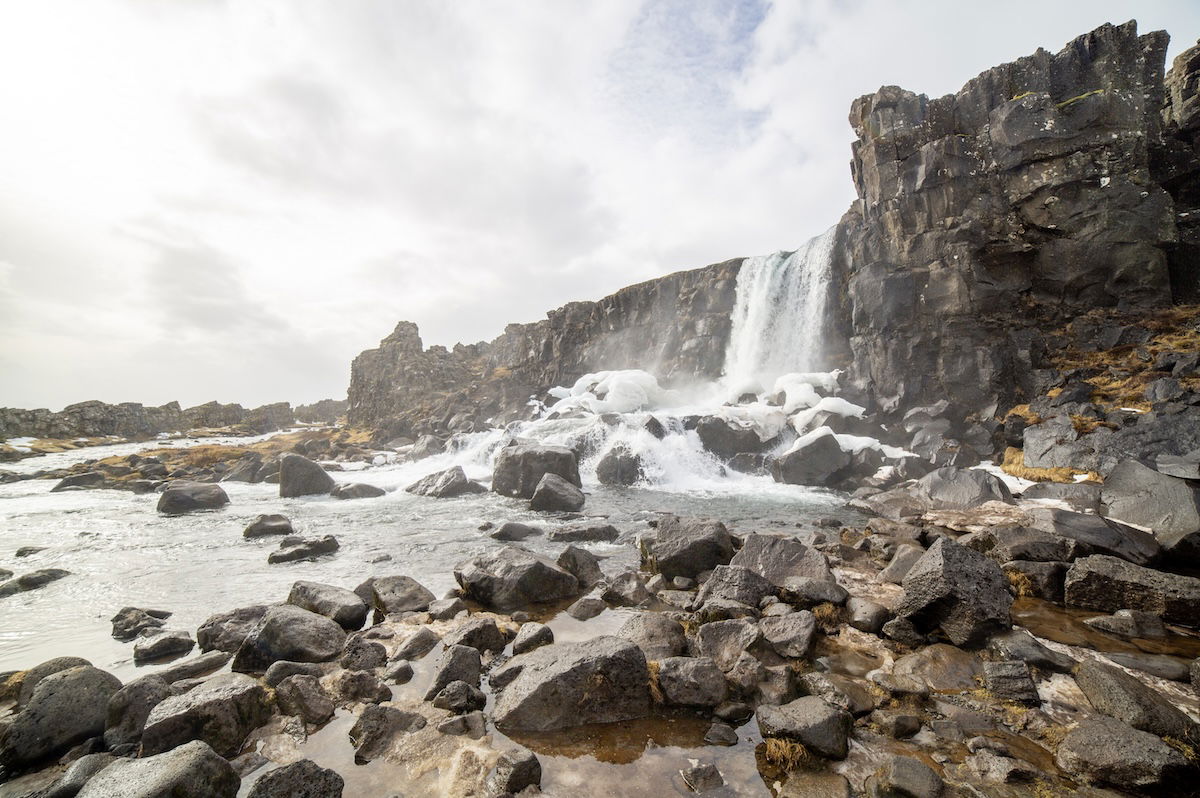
779,315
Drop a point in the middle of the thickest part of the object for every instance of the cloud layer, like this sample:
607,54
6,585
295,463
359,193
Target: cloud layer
231,199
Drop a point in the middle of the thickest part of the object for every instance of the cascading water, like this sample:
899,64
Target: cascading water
779,316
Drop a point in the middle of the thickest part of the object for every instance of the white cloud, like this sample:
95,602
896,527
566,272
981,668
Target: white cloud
231,199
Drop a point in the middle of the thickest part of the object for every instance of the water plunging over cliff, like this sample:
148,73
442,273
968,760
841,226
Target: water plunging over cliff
779,315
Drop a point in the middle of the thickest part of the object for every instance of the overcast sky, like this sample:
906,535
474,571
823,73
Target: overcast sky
229,200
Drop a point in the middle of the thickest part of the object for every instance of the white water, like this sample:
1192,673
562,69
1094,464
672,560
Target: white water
779,315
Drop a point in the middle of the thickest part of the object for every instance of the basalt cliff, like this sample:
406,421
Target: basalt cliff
1046,191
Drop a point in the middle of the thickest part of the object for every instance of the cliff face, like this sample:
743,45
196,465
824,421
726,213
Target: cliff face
675,327
1041,190
131,420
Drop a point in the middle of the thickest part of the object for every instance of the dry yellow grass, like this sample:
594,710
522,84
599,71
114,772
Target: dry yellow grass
1020,583
655,689
1014,464
828,617
1024,412
787,755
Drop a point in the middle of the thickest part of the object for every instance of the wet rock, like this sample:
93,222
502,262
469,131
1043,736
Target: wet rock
417,645
31,581
790,635
865,615
555,494
953,488
1042,580
804,591
459,698
1105,751
78,774
1010,681
1160,665
446,485
88,479
513,531
581,564
398,594
587,607
620,466
398,672
129,622
299,476
941,668
514,772
357,490
189,497
602,680
903,631
283,669
840,691
819,460
359,686
584,534
446,609
725,641
294,549
65,708
957,590
1130,623
514,577
687,546
519,468
456,664
1090,534
303,779
221,712
226,631
779,559
303,696
128,708
472,724
720,734
691,682
1106,583
289,633
532,635
1019,644
342,606
821,727
270,524
904,777
734,583
171,643
658,636
363,655
477,633
1169,506
702,778
626,590
902,561
1119,695
898,725
193,769
377,726
990,767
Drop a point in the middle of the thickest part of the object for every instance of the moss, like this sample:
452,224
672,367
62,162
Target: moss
1022,95
1073,100
1187,749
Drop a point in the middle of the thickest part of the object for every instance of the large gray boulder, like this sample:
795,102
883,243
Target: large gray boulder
1085,533
221,711
602,680
129,707
1106,751
658,636
691,682
687,546
268,524
188,497
1119,695
790,635
299,476
397,594
303,779
445,484
953,488
342,606
226,631
620,466
819,462
1106,583
958,590
555,494
724,642
513,577
193,770
818,725
520,467
289,633
779,559
65,708
1166,505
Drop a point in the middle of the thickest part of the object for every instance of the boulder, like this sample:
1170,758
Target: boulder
65,708
555,494
581,564
658,636
351,686
1166,505
519,468
790,635
734,583
162,644
1106,751
724,439
268,524
377,726
515,771
627,589
31,581
691,682
478,633
687,546
446,609
303,779
221,711
905,777
605,533
281,670
840,691
818,725
445,484
513,531
295,549
940,668
226,631
779,559
342,606
514,577
130,622
456,664
905,557
195,666
459,698
532,635
78,774
620,466
188,497
128,708
1115,693
1019,644
1108,584
194,770
816,460
398,594
953,488
602,680
290,633
299,476
1086,533
725,641
23,683
1010,681
957,590
357,490
361,654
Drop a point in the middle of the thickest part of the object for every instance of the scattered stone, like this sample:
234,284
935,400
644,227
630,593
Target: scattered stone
687,547
31,581
726,641
359,686
271,524
64,708
357,490
446,609
865,615
780,559
1160,665
514,577
342,606
702,778
446,484
189,497
78,774
299,476
1130,623
515,771
363,655
903,560
957,590
303,779
790,635
720,734
477,633
1170,506
302,695
841,691
620,466
460,698
587,607
1100,582
472,724
398,672
375,728
804,591
221,712
417,645
193,769
456,664
128,708
691,682
658,636
130,622
226,631
904,777
393,595
734,583
941,668
626,590
513,531
1010,681
821,727
1103,750
293,549
605,533
817,460
1119,695
290,633
173,643
581,564
520,468
1019,644
953,488
555,494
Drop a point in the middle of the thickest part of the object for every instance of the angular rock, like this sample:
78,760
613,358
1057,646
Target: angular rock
303,779
420,643
342,606
188,497
132,621
734,583
163,644
725,641
620,466
532,635
289,633
194,770
952,488
128,708
779,559
1108,584
840,691
377,726
818,460
1130,623
226,631
78,774
446,484
691,682
270,524
519,468
299,476
478,633
606,533
446,609
514,577
359,686
1010,681
456,664
658,636
304,697
1105,751
398,594
460,698
902,561
515,771
626,590
581,564
819,726
1167,505
1119,695
1019,644
866,616
790,635
363,655
513,531
687,547
357,490
555,494
905,777
957,590
65,708
294,549
221,711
